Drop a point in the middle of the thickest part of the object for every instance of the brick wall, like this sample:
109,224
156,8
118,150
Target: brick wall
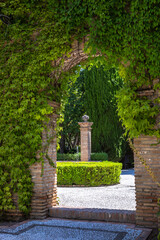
45,187
93,214
147,191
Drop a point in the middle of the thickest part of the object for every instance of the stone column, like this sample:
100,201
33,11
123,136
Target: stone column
85,128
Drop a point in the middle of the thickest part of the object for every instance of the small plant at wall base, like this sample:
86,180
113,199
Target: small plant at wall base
33,43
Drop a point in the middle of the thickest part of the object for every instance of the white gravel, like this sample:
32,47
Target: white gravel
120,196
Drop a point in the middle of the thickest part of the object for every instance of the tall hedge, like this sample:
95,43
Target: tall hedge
100,104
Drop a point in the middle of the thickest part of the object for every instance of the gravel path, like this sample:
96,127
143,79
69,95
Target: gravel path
120,196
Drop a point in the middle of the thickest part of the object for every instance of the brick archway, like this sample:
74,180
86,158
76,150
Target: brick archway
77,55
147,191
45,187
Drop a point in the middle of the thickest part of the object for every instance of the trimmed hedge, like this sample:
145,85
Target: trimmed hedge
77,156
68,156
88,173
102,156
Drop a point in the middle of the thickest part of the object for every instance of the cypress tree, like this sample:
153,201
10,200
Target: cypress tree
100,104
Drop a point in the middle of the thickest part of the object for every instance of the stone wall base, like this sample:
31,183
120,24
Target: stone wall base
121,216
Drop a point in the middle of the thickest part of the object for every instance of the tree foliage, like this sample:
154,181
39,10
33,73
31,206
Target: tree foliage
94,94
100,104
126,33
74,109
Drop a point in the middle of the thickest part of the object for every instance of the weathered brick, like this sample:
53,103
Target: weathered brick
147,191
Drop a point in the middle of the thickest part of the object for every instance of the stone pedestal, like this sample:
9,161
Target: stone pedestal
85,128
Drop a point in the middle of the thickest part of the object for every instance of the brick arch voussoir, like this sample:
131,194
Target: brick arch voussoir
76,56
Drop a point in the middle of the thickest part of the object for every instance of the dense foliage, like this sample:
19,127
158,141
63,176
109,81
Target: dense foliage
101,156
74,109
88,173
93,93
77,156
33,34
100,104
68,156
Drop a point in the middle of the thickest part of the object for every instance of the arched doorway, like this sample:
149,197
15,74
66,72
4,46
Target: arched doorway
146,190
128,22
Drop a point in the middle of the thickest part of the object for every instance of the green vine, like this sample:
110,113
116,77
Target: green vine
36,33
143,161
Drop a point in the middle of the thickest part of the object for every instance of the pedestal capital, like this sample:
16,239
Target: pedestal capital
85,124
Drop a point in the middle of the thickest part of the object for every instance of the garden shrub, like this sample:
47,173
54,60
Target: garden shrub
68,156
102,156
77,156
88,173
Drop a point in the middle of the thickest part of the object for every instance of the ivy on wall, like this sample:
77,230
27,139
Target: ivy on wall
35,33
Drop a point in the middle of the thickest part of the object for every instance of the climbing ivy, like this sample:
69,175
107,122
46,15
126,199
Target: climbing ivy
33,35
